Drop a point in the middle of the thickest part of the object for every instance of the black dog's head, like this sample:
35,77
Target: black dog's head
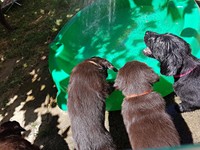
168,49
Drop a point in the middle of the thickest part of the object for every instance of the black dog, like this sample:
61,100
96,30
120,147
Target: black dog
87,92
11,137
174,55
143,110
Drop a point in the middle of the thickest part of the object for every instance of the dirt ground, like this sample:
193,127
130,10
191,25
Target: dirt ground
33,105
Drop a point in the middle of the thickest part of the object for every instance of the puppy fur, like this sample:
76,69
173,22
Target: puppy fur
87,92
11,137
147,123
175,58
11,128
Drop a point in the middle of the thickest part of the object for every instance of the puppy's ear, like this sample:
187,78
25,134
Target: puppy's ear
170,65
152,76
119,82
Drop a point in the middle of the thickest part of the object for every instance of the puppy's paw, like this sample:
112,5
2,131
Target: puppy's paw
179,108
184,107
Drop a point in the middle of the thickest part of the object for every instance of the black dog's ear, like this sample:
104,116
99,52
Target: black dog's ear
170,65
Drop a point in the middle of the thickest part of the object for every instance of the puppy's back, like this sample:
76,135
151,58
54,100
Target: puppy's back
149,126
87,92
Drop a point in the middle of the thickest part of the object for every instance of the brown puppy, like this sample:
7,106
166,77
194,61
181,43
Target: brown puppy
87,92
143,111
11,137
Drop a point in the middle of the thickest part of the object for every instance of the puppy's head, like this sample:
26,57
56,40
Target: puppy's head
91,72
135,75
103,63
168,49
12,127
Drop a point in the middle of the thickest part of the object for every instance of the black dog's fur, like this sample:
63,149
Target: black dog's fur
147,123
11,137
175,58
87,92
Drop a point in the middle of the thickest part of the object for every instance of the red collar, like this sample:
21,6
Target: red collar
136,95
183,74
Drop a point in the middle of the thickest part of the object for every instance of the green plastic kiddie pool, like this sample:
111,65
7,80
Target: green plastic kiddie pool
114,30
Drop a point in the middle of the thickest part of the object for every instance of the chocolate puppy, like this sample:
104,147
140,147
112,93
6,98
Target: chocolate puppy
11,137
143,110
87,92
11,128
